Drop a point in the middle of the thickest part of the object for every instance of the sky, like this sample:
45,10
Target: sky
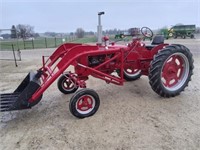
68,15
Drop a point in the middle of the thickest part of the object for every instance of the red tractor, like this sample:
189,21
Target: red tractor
169,68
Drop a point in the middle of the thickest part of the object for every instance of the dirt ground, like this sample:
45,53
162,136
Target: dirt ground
129,117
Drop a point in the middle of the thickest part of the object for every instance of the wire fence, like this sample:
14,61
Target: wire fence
34,43
12,55
10,49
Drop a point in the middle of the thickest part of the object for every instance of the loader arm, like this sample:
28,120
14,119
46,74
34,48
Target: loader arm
61,59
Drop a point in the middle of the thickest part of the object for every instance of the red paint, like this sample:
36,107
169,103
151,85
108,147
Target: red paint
98,61
170,71
85,103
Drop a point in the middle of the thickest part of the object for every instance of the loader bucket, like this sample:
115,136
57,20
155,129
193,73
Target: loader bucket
19,99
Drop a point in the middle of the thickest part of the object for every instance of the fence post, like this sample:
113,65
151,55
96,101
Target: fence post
46,42
14,55
24,44
55,41
32,44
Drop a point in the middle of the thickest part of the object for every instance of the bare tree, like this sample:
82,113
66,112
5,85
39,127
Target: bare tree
80,33
24,31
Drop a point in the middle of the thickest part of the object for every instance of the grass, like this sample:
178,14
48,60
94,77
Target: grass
41,43
30,44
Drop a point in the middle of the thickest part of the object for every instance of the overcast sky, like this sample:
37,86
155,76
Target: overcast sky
68,15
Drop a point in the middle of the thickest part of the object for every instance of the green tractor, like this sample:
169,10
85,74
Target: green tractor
119,36
166,33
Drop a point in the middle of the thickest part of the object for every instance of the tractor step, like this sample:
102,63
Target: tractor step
19,99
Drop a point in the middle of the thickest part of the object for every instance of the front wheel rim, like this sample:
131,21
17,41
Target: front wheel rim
175,72
85,104
68,84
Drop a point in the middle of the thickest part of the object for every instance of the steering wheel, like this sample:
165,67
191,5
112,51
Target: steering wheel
147,32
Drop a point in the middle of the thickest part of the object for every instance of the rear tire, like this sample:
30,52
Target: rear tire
84,103
171,70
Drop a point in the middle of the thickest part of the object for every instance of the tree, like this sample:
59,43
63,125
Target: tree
89,33
52,34
36,35
13,32
80,33
71,34
25,31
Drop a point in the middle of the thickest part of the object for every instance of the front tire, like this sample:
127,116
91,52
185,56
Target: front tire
130,74
84,103
171,70
66,85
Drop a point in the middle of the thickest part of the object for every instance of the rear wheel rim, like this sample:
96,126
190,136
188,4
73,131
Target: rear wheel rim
175,72
85,104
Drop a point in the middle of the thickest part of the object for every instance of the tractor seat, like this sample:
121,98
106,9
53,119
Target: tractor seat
158,39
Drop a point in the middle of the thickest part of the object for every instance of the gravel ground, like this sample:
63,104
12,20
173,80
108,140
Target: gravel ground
129,117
